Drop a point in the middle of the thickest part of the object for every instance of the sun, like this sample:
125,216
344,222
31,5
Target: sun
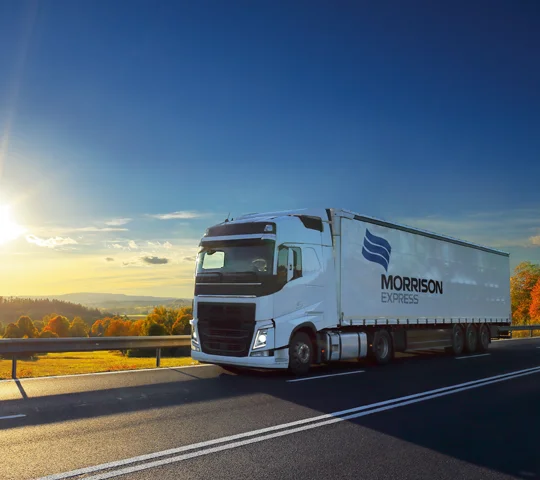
9,229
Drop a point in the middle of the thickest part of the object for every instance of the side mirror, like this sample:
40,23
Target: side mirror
290,265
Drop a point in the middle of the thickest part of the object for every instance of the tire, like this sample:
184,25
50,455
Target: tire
471,338
300,354
382,347
458,340
483,338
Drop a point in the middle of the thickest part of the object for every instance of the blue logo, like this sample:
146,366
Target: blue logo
376,249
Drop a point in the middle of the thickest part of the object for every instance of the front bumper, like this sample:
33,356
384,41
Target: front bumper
280,360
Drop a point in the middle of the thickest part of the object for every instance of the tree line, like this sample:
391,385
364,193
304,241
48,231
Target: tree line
161,321
12,308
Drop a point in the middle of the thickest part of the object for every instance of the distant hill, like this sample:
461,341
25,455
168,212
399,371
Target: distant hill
119,303
12,308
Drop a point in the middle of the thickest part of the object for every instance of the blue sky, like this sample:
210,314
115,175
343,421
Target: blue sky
423,112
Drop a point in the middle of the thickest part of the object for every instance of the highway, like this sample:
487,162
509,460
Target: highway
427,415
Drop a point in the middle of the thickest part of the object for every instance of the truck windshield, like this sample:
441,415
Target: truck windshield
237,256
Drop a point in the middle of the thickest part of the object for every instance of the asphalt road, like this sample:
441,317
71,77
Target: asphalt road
427,415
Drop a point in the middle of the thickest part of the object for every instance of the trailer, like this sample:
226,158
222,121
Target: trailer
296,288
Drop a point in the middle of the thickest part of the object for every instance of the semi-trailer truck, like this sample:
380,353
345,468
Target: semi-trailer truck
286,290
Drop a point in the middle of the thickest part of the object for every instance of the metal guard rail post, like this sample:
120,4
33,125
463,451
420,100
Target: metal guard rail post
20,346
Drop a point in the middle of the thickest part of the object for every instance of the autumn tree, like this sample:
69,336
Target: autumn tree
2,329
153,329
136,328
27,327
12,331
182,325
118,328
59,325
39,324
100,326
163,316
534,308
78,328
47,334
526,276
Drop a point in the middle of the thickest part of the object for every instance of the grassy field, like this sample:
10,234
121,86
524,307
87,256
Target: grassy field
84,362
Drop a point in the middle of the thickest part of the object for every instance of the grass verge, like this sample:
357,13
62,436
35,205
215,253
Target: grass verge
72,363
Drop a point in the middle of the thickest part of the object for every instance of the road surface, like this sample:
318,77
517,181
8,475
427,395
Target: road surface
427,415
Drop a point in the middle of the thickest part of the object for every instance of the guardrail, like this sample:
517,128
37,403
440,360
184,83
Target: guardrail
514,328
20,346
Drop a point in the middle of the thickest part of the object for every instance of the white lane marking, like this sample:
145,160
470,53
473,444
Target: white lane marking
7,417
179,458
150,456
324,376
474,356
537,347
161,369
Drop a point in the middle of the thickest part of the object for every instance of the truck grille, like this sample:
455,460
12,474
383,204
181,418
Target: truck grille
226,328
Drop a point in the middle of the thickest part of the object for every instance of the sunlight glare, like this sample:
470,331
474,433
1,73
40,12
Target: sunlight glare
9,229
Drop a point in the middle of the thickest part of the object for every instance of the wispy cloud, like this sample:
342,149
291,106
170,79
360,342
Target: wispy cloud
109,259
190,259
53,242
146,260
180,215
98,229
155,260
117,222
166,245
117,246
133,245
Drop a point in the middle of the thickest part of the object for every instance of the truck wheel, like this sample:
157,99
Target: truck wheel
483,338
458,340
471,338
382,347
300,354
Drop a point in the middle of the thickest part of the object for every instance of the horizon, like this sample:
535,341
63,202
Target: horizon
126,132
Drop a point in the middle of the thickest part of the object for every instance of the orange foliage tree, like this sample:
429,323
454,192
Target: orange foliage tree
78,328
118,328
526,276
136,328
59,325
534,308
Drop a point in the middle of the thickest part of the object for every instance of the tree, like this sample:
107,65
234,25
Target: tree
525,277
12,331
154,329
78,328
118,328
2,328
182,326
39,324
534,308
136,328
27,327
47,334
100,326
59,325
163,316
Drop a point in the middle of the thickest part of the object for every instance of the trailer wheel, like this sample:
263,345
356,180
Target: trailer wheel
471,338
483,338
382,347
300,354
458,340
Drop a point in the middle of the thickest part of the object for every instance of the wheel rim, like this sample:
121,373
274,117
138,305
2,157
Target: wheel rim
382,347
302,351
485,339
472,338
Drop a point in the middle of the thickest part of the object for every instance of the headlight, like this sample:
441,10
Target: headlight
194,336
260,338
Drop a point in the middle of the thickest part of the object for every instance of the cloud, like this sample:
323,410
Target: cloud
116,222
166,245
116,245
535,240
109,259
190,259
146,261
99,229
180,215
52,242
155,260
132,244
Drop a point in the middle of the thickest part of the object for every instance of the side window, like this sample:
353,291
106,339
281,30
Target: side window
311,262
297,255
213,260
282,264
283,253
